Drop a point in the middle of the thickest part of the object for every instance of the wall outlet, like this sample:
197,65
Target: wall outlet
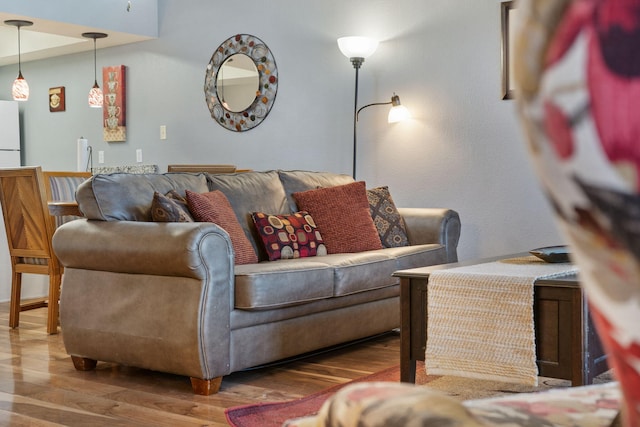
163,132
139,155
101,157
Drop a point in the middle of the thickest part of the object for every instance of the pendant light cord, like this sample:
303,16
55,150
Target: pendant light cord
95,63
19,57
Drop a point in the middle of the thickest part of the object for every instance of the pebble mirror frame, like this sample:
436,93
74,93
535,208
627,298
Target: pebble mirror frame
265,63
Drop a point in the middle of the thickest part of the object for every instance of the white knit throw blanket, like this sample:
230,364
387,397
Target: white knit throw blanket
480,319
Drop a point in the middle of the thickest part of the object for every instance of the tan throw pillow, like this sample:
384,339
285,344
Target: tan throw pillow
342,216
214,207
170,207
387,219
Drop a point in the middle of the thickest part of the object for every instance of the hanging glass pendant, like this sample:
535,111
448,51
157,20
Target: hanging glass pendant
96,97
20,88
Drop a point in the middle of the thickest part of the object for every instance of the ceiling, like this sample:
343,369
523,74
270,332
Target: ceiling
46,39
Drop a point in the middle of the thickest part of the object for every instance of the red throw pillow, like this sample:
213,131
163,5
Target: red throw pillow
342,214
214,207
289,236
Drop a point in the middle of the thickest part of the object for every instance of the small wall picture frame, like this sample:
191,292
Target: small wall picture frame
56,99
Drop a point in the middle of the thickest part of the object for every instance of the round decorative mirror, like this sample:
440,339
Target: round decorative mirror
241,83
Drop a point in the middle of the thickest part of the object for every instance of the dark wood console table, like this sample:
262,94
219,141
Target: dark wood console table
567,346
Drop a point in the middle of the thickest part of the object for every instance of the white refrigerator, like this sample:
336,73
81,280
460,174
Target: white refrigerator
10,135
9,157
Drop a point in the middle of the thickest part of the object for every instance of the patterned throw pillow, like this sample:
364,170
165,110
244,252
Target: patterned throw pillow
289,236
342,213
171,207
214,207
387,219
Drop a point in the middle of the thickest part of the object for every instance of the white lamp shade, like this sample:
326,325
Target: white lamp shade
95,97
357,47
20,89
398,113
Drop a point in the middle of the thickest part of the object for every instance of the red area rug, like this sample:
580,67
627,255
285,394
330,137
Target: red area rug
276,413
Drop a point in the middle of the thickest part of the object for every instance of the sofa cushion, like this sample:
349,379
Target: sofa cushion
343,217
362,271
128,197
289,236
214,207
386,218
297,181
250,192
282,283
170,207
417,255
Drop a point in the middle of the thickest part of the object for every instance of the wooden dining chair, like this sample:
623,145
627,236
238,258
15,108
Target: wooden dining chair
29,230
60,186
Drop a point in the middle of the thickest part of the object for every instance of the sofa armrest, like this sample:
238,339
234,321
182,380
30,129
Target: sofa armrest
433,225
163,249
154,295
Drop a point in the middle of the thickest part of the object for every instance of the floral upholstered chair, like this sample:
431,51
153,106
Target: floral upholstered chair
578,80
403,405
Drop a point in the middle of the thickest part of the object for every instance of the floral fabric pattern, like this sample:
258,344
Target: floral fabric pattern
577,68
396,404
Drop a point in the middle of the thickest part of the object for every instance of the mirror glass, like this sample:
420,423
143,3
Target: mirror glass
237,82
241,83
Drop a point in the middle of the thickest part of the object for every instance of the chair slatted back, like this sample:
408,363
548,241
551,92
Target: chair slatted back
61,186
24,207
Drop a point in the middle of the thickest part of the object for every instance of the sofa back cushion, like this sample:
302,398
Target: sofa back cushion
250,192
298,181
128,197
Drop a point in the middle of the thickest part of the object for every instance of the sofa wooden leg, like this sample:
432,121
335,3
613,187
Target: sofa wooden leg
206,387
83,364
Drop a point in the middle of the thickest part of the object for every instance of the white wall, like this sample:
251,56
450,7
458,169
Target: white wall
463,149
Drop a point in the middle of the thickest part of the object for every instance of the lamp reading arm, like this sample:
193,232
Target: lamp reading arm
370,105
395,100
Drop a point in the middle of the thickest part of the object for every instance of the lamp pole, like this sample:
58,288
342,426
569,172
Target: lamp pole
356,49
357,62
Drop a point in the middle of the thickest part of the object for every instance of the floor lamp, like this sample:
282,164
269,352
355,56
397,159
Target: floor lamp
357,49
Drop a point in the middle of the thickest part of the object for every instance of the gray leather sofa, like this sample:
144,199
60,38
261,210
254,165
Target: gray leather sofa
167,296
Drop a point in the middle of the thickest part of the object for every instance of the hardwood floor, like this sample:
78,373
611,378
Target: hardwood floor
40,387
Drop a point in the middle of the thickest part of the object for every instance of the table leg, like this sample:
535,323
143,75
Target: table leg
413,326
407,366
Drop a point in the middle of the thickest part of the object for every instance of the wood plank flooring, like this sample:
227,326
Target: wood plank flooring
40,387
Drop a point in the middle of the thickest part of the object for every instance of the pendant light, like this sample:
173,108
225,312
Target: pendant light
20,89
95,94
